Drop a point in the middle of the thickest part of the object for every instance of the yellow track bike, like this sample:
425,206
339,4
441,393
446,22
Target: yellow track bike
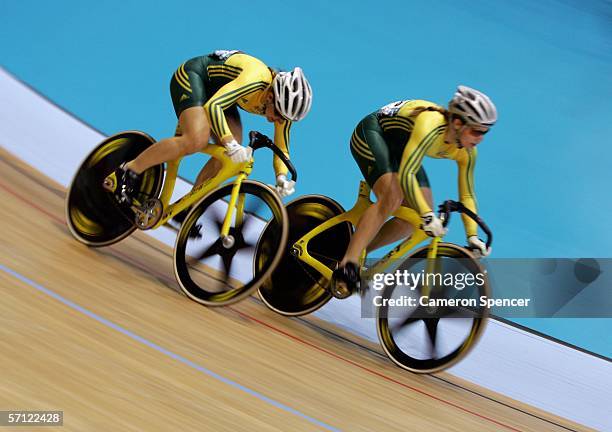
422,339
230,216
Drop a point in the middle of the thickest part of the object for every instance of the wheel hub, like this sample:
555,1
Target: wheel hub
228,241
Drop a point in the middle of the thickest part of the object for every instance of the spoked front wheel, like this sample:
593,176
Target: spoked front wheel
423,338
217,271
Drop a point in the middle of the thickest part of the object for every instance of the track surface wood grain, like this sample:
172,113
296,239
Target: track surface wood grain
140,356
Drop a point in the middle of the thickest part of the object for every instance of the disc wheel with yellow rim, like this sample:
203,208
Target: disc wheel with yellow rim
92,214
295,288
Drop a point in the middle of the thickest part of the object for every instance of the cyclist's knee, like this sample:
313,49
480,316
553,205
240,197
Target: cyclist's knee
390,200
388,193
193,143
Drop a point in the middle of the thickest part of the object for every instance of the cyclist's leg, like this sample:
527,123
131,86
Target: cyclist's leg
398,229
188,94
372,154
196,131
388,199
370,151
213,166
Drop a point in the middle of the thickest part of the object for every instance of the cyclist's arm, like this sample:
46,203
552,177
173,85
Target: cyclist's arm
227,96
281,139
466,164
428,126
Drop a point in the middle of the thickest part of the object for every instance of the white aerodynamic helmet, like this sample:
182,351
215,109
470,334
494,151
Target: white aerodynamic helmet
474,107
292,94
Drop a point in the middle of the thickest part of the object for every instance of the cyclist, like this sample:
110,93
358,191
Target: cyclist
389,146
206,92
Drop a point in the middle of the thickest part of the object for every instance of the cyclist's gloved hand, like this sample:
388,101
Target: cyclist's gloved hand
237,153
432,225
284,187
475,242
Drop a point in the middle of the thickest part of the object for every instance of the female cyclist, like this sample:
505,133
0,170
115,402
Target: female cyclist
389,146
206,92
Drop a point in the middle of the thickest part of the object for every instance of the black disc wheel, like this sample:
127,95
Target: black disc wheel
296,288
426,338
92,214
216,270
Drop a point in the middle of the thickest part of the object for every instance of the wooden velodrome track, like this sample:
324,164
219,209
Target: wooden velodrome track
106,336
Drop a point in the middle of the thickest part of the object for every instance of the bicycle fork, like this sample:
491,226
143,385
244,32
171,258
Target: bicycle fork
236,201
432,266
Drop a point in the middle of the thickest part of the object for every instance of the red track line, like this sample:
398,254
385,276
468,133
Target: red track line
344,359
31,204
284,333
63,222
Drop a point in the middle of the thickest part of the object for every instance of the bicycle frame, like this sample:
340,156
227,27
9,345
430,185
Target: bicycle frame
227,171
300,247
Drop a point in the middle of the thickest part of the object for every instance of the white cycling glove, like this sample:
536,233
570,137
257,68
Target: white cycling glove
475,242
284,187
237,153
432,225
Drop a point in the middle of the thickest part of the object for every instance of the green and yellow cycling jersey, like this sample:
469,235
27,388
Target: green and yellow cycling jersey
221,81
421,133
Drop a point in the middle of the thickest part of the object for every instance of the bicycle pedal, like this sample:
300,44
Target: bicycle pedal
345,281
